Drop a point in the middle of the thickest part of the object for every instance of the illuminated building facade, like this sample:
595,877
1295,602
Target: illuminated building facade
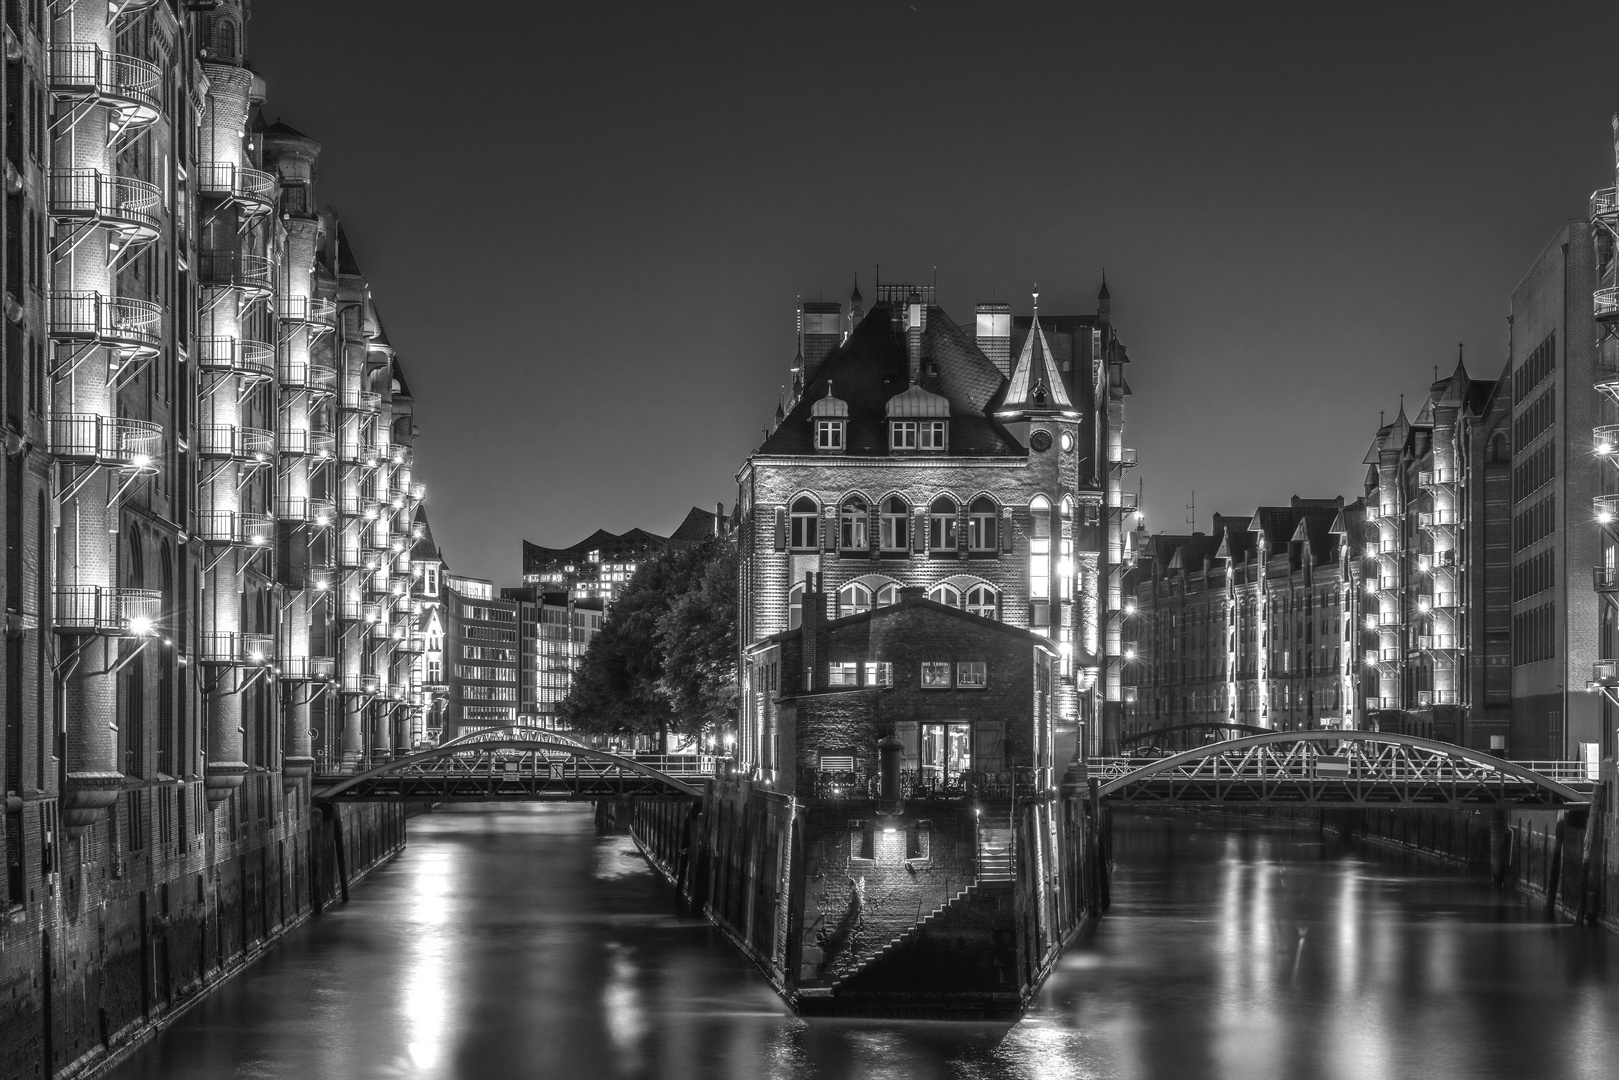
481,656
1604,232
206,491
1253,625
601,565
982,464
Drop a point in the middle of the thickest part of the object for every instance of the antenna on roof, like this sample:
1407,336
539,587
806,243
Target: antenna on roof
1037,299
1191,510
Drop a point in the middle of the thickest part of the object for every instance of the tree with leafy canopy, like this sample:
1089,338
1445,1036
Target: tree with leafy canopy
665,658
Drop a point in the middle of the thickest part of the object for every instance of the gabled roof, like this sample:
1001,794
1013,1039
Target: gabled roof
699,525
399,377
346,262
1036,384
909,603
871,366
424,547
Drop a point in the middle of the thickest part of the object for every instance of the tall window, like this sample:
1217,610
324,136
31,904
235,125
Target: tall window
853,599
982,520
982,601
942,525
948,595
894,524
853,524
1040,568
795,606
806,524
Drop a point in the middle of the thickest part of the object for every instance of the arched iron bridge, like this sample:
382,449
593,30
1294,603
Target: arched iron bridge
508,769
1339,768
1158,733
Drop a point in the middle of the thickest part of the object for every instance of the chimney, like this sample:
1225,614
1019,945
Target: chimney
719,519
995,335
916,320
823,330
813,633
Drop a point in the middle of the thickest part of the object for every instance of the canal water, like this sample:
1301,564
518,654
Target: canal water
514,942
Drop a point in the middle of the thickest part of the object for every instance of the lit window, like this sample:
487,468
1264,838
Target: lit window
894,524
902,435
982,520
853,599
879,674
888,594
795,607
982,601
942,525
948,595
843,674
806,524
932,435
1040,568
852,520
936,675
972,674
829,434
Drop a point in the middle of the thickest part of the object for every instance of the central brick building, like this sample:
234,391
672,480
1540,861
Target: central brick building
980,463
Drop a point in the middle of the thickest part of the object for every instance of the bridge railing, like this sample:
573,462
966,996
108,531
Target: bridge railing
1352,764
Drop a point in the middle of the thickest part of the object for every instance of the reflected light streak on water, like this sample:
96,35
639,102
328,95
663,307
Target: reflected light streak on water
515,942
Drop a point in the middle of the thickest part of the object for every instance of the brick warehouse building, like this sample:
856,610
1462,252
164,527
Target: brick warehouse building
207,501
981,465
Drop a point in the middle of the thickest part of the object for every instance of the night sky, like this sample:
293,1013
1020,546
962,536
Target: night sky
587,225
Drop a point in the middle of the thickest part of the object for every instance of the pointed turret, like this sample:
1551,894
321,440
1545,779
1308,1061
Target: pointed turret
1036,384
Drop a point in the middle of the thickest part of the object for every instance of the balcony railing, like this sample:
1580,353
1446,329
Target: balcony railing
132,87
1437,519
1126,458
92,439
1605,304
256,189
1605,579
1437,477
1436,642
359,400
231,441
121,322
1441,601
312,375
120,202
306,309
306,668
1605,439
1605,508
227,268
1603,204
1122,500
356,683
1390,656
97,609
1390,618
235,356
1605,673
1436,697
358,452
1383,703
235,527
301,442
237,648
319,512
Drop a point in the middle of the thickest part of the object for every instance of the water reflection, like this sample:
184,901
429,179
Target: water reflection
514,942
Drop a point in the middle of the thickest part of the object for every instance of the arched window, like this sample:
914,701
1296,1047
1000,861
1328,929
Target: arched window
948,595
888,594
942,524
852,520
983,520
806,517
982,601
853,599
795,606
894,524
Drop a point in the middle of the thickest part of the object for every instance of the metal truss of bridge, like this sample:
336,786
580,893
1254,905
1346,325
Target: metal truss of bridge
525,769
1340,768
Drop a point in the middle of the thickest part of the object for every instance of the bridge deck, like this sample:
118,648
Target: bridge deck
504,771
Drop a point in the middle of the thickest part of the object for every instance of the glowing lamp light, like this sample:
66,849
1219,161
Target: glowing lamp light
1371,622
256,656
1604,516
140,461
1604,448
1129,654
1423,604
1130,608
140,625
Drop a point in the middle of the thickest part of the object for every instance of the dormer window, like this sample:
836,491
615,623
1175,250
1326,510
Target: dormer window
932,434
830,417
902,435
829,434
916,435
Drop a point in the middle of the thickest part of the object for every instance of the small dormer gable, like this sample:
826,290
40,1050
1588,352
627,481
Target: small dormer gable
829,419
918,421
